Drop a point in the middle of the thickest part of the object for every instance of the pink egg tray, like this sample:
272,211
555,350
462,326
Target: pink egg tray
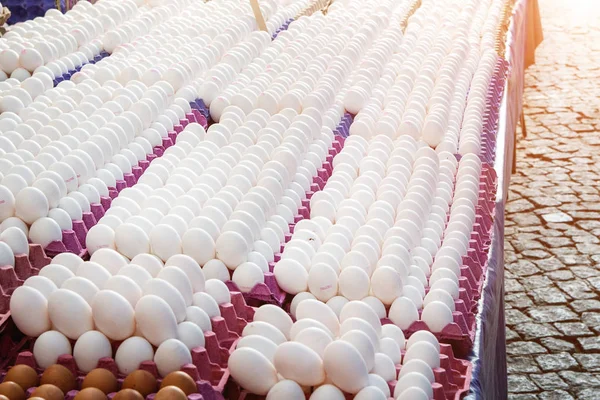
269,292
13,277
492,111
73,240
208,367
452,379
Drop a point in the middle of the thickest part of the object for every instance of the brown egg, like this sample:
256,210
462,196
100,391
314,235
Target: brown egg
23,375
182,380
142,381
170,393
12,390
128,394
48,392
90,394
60,377
102,379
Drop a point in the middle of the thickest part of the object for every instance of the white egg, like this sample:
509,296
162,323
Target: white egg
216,269
31,205
89,349
49,346
299,363
56,273
276,317
191,268
190,334
314,309
29,310
155,319
207,303
345,367
253,371
149,262
70,313
42,284
199,317
171,355
286,390
363,344
169,293
179,280
403,312
198,244
327,392
131,353
291,276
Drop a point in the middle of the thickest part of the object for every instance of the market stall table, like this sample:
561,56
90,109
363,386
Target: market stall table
489,351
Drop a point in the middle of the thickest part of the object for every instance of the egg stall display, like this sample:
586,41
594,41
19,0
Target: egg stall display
123,315
396,240
321,355
89,159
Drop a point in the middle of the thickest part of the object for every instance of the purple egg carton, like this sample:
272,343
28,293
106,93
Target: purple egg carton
492,111
343,128
200,112
282,28
269,292
13,277
209,363
67,76
452,379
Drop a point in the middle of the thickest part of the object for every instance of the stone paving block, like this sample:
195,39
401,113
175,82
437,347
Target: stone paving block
524,348
549,381
556,362
573,328
521,383
552,314
557,345
555,395
590,362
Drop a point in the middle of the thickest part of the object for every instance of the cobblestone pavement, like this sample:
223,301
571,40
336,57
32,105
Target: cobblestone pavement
553,215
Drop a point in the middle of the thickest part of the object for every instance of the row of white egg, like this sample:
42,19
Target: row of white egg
309,72
248,180
374,254
60,42
332,352
164,305
404,108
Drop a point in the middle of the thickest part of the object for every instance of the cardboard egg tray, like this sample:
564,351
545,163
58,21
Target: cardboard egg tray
208,367
73,240
269,292
282,28
452,379
343,129
492,111
67,76
13,277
